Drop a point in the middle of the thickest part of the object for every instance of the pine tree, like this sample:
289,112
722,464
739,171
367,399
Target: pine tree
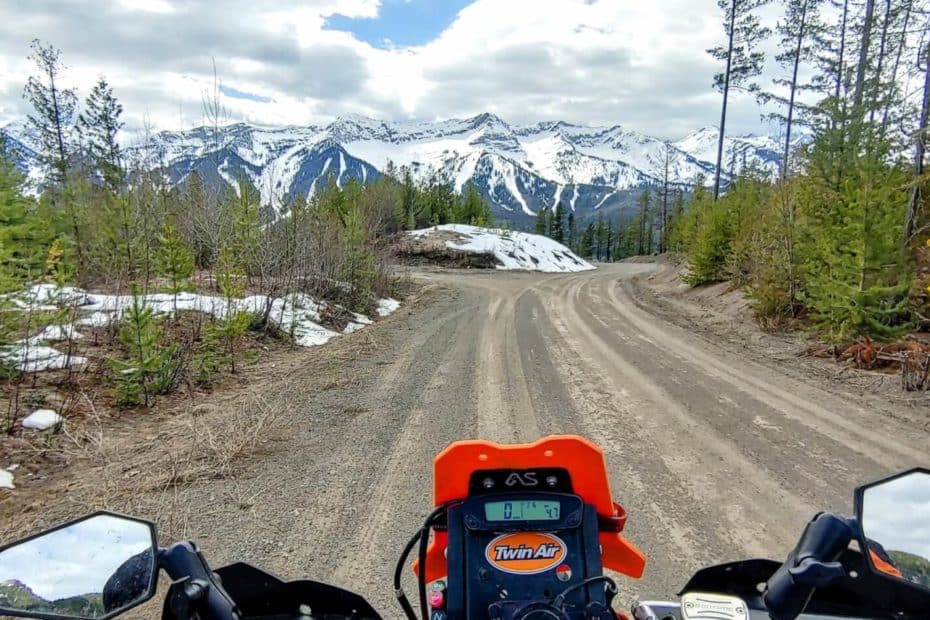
642,221
24,233
609,241
916,196
471,208
663,165
798,30
742,61
53,111
599,237
557,223
572,231
542,222
150,369
586,247
857,275
227,332
175,261
99,125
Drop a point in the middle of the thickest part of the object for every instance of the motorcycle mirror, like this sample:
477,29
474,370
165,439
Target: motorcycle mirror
893,516
93,568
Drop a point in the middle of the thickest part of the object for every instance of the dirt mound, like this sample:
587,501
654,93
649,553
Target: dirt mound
432,250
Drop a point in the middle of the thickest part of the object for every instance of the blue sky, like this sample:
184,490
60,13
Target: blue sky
235,93
401,23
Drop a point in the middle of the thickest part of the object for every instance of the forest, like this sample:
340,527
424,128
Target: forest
839,240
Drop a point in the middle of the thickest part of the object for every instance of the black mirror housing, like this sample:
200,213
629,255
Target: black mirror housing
893,528
92,568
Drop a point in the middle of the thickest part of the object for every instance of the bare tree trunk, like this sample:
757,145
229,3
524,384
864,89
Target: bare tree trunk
726,93
881,62
908,6
663,241
859,92
913,204
794,89
840,70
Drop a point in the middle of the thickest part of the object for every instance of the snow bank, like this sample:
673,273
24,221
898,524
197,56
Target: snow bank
296,314
28,356
42,419
387,306
6,480
57,333
511,249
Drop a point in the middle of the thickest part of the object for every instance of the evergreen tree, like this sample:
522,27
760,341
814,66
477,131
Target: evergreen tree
743,61
588,238
227,332
149,369
857,275
99,125
572,232
175,262
642,221
557,224
472,209
542,222
916,196
609,241
798,30
25,234
53,111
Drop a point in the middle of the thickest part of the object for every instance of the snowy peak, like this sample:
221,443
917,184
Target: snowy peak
519,169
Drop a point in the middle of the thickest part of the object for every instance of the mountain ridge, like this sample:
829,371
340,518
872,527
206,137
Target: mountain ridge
518,168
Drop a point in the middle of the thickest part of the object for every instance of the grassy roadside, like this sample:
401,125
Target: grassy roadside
142,462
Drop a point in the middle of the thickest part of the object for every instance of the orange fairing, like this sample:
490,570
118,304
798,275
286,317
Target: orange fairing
452,469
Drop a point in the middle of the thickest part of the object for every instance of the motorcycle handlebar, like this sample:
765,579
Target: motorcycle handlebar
812,564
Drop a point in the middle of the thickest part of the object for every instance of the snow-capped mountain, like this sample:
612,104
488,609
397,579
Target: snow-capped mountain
520,169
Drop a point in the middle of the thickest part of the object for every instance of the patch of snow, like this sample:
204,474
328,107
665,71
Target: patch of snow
512,249
6,480
51,294
29,357
387,306
42,419
352,327
559,188
296,314
57,333
510,182
604,199
96,319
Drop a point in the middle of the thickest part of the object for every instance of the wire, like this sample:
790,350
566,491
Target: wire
559,601
422,536
398,570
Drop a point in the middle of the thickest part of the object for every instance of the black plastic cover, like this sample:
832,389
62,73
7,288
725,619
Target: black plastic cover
262,595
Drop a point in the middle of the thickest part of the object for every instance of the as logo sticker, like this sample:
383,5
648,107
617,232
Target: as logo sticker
526,553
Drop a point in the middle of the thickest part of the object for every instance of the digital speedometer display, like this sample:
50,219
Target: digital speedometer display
522,511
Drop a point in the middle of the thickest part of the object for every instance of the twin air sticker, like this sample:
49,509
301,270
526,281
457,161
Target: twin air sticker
526,553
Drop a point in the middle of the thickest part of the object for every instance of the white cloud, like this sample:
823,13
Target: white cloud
640,64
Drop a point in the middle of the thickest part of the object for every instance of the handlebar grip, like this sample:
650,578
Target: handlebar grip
196,590
810,564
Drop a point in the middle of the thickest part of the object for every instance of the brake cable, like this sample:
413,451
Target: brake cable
422,536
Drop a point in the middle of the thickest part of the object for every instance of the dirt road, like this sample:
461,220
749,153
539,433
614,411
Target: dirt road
715,456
